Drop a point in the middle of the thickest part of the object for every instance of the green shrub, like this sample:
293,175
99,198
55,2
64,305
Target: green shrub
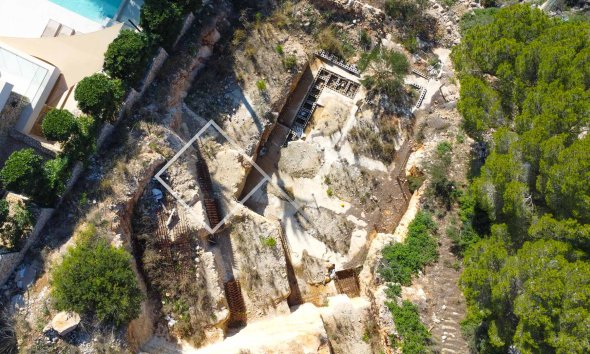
100,96
365,39
477,17
440,186
443,148
3,211
329,192
56,174
420,248
162,21
269,241
393,290
82,144
415,336
127,57
96,279
330,41
279,49
58,125
388,69
23,173
290,62
415,182
261,84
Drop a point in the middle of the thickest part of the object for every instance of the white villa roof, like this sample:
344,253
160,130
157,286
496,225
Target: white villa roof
75,56
27,75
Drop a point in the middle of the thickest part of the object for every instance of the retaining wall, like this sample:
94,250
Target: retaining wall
9,261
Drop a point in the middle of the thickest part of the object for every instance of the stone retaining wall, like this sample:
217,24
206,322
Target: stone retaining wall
9,261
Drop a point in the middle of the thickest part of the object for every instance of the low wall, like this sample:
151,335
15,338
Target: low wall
153,70
188,22
9,261
32,142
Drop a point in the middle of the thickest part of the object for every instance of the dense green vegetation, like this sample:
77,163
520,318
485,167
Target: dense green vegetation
100,96
96,279
22,171
58,125
440,187
400,262
127,57
333,40
415,336
385,70
25,172
525,235
77,135
162,19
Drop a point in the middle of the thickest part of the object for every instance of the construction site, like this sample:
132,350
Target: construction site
289,224
256,214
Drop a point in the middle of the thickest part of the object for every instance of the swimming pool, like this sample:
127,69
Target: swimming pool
95,10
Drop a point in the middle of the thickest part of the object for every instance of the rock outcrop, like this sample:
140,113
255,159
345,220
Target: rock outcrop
65,322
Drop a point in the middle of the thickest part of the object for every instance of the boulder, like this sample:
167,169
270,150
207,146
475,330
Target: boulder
65,322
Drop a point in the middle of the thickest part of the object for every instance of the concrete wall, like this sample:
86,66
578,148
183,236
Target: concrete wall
32,142
188,21
5,90
9,261
154,69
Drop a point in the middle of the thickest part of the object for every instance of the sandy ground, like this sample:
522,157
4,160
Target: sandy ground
300,332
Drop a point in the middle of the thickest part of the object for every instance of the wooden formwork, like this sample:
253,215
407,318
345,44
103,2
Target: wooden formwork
204,179
235,301
177,245
347,282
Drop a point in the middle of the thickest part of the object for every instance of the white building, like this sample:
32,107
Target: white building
28,77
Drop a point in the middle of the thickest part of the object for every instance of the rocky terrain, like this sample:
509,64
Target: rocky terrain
291,215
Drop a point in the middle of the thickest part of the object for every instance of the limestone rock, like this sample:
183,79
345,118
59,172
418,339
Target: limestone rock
300,160
65,322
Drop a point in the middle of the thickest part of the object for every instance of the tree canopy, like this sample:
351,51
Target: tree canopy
385,70
58,125
162,20
95,278
525,86
22,172
99,96
127,57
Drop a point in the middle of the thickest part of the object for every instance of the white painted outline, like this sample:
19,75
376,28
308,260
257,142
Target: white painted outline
266,179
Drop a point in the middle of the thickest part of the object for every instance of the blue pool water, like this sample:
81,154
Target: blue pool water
95,10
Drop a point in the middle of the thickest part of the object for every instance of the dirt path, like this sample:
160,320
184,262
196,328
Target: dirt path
445,304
